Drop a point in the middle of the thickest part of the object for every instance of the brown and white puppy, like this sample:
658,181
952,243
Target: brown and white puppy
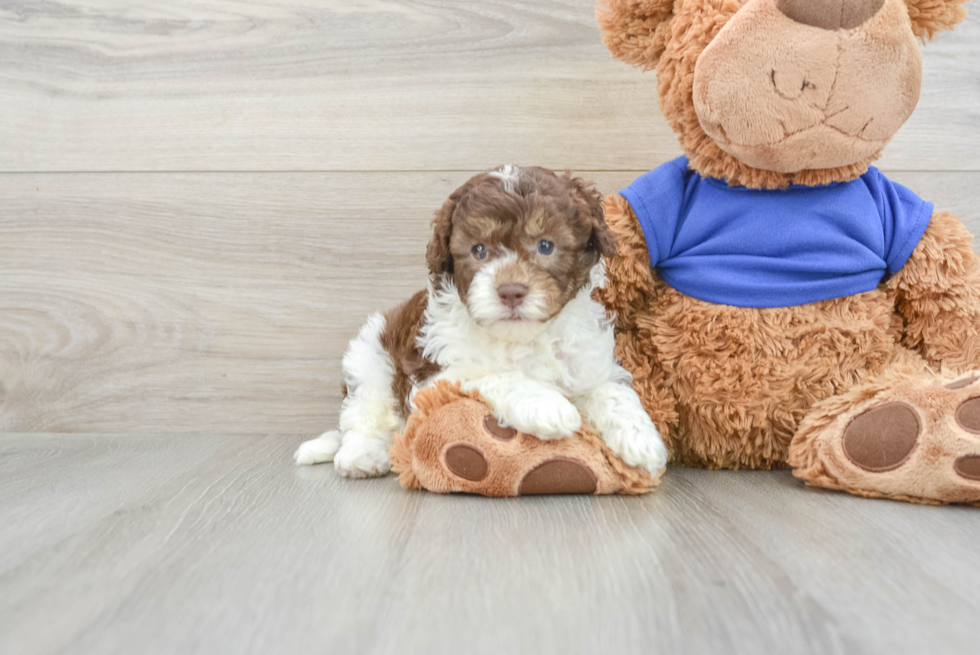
513,261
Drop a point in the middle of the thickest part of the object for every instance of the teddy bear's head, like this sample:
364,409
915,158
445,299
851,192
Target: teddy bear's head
765,93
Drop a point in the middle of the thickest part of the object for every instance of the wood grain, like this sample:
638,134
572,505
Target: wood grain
202,303
177,544
273,85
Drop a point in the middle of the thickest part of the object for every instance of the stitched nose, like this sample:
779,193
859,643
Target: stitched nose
831,14
512,295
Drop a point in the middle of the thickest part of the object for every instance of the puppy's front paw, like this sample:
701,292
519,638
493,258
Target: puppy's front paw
545,414
362,458
639,446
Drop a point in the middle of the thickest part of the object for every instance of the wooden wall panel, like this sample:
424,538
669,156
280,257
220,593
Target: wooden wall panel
221,85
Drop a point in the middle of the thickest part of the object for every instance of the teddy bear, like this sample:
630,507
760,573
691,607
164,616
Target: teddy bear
780,302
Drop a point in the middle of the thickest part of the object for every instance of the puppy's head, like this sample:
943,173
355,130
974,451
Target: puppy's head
518,244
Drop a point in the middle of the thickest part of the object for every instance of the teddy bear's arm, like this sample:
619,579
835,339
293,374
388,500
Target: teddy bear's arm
937,293
630,284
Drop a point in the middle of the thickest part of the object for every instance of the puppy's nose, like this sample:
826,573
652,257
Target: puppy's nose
831,14
512,295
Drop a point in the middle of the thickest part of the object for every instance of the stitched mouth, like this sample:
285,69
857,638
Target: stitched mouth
789,135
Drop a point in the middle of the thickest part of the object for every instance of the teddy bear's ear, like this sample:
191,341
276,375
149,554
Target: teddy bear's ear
636,30
932,16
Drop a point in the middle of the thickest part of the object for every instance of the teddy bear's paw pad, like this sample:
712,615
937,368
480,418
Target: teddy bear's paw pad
883,438
968,415
561,475
968,467
467,462
497,431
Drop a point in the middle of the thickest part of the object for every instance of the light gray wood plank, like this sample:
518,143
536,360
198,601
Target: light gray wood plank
369,85
203,303
217,544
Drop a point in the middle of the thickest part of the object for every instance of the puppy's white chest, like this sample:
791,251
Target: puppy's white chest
538,360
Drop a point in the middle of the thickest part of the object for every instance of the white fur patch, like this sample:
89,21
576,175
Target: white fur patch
369,414
509,175
485,307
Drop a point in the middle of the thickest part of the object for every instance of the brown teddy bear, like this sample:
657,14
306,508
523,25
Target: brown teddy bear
780,301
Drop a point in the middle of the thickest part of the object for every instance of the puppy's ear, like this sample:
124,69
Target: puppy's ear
602,241
437,254
931,16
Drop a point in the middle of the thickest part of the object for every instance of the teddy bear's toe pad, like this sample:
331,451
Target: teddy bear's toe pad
960,384
497,431
968,467
562,475
883,438
968,415
467,462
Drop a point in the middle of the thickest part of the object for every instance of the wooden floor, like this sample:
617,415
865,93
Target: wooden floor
201,200
182,544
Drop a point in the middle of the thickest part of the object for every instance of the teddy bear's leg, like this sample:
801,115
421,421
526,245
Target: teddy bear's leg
937,293
912,433
908,434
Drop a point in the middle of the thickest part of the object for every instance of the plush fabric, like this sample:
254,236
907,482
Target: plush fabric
783,97
451,444
762,248
872,392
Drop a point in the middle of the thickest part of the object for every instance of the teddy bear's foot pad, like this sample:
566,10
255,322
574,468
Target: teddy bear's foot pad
453,443
917,441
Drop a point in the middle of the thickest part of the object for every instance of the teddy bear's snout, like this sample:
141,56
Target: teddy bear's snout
831,14
792,85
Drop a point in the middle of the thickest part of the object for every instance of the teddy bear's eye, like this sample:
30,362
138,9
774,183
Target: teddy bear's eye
480,251
546,247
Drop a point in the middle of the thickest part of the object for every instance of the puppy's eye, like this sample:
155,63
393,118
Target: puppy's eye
546,247
480,251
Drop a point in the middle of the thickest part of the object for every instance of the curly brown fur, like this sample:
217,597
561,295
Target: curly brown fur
635,31
932,16
400,340
937,293
484,211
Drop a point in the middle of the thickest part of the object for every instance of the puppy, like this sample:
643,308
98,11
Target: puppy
513,261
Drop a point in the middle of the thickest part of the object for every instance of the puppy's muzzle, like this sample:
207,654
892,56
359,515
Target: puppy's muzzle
512,295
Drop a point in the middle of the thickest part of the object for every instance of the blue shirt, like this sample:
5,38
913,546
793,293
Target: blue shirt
757,248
